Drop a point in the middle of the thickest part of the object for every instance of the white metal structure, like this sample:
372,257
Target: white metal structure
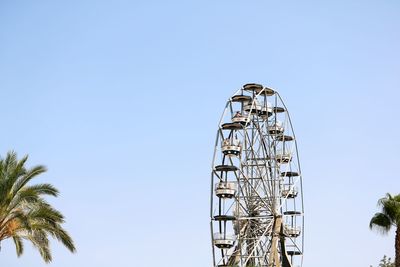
257,215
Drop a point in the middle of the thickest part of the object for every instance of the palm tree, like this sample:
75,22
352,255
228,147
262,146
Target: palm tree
24,213
388,217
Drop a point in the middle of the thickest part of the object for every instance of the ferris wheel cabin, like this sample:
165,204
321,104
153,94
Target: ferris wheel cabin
231,147
224,241
226,189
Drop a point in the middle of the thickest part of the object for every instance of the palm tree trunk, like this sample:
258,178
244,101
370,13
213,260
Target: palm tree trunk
397,247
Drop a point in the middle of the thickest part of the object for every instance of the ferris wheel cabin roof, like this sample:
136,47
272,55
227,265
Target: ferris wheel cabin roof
253,87
232,126
284,138
241,98
289,174
292,212
258,88
294,253
278,109
267,91
226,168
224,218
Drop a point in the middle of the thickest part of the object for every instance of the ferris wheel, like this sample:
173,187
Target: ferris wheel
257,214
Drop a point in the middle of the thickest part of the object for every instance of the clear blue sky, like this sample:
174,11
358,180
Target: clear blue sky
121,100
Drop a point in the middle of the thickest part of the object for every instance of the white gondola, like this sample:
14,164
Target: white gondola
240,118
283,156
291,231
289,192
231,147
276,128
253,107
222,240
266,111
225,189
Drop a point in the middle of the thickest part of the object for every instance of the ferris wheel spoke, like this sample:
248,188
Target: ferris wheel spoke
256,158
270,181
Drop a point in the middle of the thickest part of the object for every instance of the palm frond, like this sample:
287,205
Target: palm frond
43,189
396,198
41,242
31,194
391,207
19,245
43,210
16,170
61,235
10,161
381,222
29,175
